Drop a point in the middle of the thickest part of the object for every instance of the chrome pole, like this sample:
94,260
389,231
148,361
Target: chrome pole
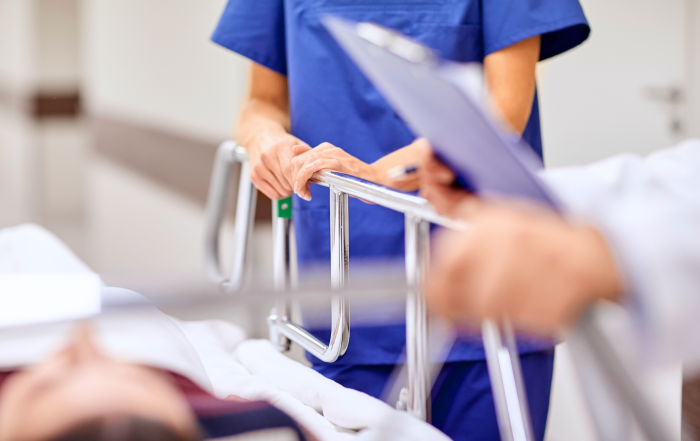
243,226
340,265
507,387
281,325
227,155
417,350
281,268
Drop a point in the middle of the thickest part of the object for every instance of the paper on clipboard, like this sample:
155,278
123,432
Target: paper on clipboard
433,97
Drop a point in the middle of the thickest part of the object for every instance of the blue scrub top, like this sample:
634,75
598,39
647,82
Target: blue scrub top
332,101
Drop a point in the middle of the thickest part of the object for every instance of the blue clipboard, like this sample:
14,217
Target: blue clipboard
442,101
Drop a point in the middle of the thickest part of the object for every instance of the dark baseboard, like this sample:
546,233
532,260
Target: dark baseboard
53,105
41,104
691,405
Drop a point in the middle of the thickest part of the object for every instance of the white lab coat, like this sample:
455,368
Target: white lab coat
648,209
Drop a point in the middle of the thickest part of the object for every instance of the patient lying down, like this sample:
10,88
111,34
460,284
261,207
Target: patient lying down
80,393
141,374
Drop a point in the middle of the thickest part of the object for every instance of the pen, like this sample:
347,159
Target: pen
401,171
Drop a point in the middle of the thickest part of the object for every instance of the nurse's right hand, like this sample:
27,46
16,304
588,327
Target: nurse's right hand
270,162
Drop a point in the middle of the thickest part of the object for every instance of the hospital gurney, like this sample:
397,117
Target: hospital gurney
499,340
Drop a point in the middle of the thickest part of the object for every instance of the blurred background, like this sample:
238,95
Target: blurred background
111,112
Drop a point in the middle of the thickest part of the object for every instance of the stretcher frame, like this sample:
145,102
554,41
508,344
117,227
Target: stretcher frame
499,341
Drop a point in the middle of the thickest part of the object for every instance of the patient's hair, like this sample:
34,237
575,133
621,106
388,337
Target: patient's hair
123,428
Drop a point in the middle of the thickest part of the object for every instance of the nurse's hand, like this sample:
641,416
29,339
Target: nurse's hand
437,185
271,162
523,262
308,161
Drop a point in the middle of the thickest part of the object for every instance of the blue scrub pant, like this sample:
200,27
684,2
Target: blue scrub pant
463,405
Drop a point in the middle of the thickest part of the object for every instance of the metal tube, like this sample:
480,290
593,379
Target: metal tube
504,371
417,338
227,155
281,267
243,226
216,206
384,196
281,324
340,239
340,267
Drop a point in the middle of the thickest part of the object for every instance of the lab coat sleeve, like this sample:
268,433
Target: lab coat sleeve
648,209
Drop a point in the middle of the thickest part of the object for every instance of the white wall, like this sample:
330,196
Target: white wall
17,153
153,61
693,66
38,52
17,44
18,169
137,226
65,145
593,98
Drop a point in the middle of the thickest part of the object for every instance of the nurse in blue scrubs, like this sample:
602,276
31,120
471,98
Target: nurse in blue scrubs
308,107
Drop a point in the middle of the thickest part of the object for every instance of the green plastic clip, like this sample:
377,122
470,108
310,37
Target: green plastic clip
284,208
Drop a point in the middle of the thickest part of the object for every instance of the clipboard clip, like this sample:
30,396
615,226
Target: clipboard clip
396,43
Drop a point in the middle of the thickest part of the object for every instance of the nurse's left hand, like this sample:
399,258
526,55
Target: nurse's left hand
308,161
523,262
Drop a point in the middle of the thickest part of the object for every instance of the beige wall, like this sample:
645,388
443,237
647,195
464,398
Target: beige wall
152,61
57,58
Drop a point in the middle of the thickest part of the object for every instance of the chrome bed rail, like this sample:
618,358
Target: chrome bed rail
227,156
499,341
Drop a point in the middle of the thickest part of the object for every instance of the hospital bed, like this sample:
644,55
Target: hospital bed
603,368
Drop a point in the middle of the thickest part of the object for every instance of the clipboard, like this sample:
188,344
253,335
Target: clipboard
444,102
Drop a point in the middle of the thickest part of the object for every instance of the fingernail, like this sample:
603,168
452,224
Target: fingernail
306,197
309,166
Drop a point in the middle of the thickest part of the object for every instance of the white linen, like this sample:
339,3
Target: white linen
30,248
144,336
216,342
649,211
341,406
27,298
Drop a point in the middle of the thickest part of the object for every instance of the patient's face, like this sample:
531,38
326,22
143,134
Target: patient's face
80,383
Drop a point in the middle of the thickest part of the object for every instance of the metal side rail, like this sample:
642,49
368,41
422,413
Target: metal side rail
502,357
228,155
282,328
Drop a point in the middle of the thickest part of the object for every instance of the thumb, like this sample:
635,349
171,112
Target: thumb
300,149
